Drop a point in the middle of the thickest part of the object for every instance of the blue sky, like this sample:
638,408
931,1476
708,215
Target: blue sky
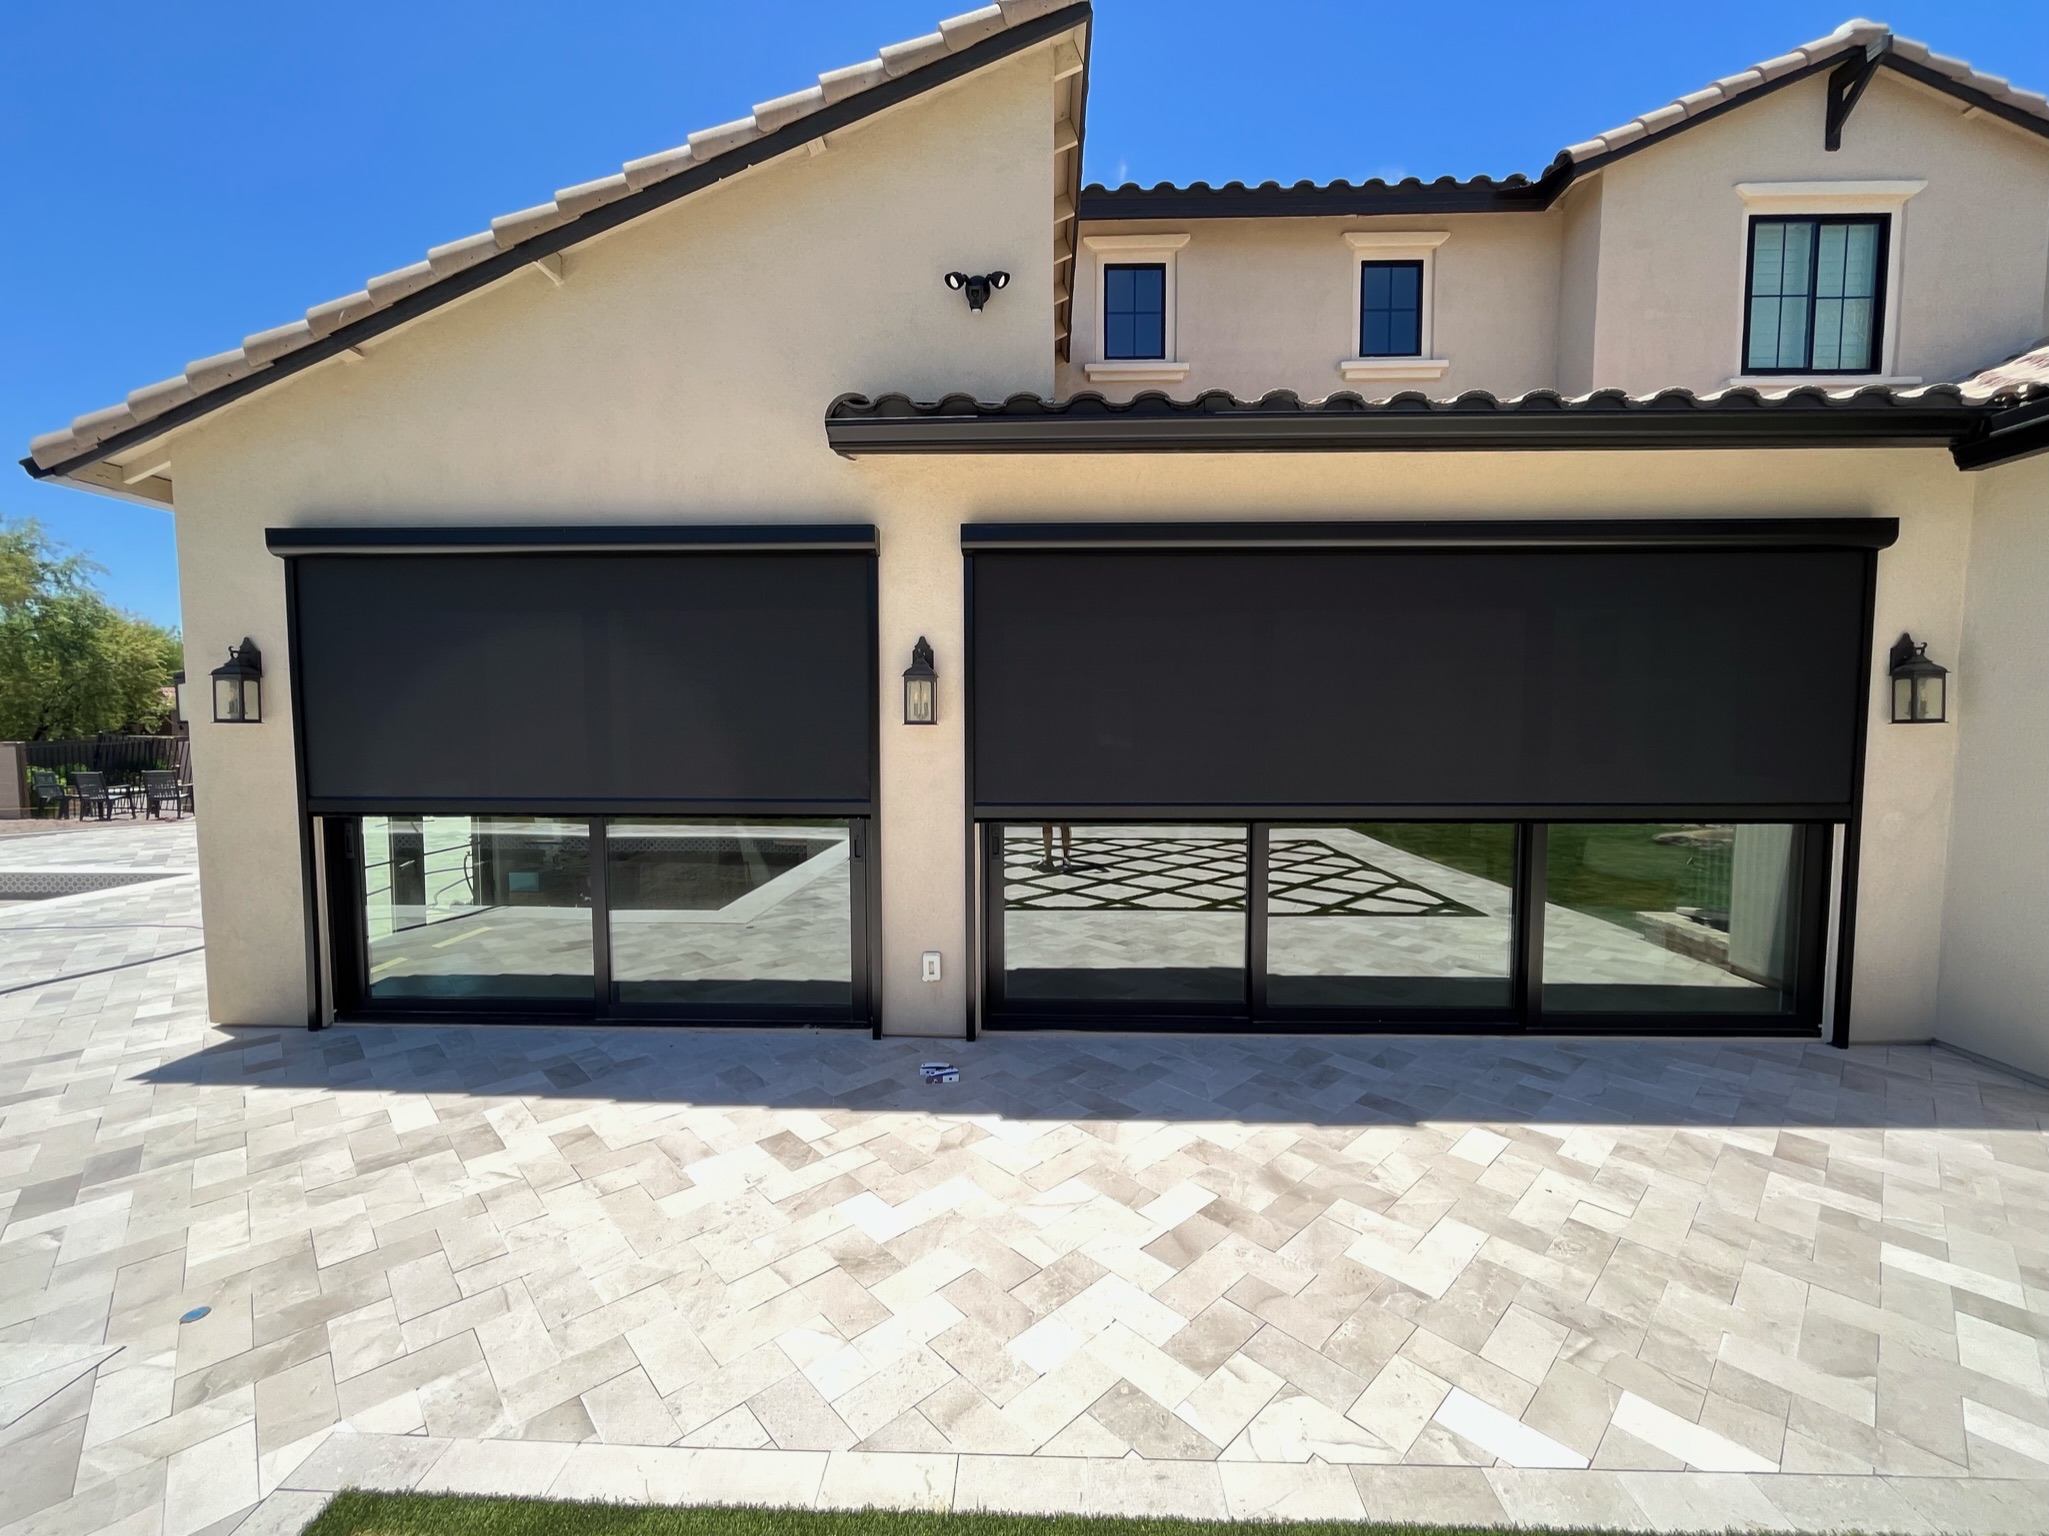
184,175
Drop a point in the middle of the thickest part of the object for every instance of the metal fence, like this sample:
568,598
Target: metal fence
121,758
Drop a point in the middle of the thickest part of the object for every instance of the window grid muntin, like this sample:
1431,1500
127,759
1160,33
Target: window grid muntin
1391,308
1134,311
1805,304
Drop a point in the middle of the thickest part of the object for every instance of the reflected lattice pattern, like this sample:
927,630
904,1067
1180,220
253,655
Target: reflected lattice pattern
1306,878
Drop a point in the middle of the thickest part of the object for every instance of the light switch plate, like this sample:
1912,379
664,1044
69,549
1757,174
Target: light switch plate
931,967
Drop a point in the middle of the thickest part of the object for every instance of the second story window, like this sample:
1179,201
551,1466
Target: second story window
1134,310
1815,301
1390,309
1393,275
1137,285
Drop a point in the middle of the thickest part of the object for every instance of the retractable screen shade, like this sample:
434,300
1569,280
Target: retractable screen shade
1535,680
586,681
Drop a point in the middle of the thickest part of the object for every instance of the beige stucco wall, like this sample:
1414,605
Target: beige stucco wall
1270,304
1579,286
1995,920
681,372
1673,232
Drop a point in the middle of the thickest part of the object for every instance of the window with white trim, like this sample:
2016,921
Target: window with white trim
1820,290
1393,281
1135,299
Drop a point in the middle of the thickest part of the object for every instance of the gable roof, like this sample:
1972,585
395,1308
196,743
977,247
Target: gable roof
960,45
1850,52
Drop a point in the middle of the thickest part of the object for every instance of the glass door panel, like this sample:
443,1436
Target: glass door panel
1673,918
483,907
709,912
1132,918
1391,915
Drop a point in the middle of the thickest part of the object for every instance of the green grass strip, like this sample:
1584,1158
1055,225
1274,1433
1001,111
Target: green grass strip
420,1514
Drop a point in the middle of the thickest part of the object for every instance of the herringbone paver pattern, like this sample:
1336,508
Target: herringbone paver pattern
1526,1257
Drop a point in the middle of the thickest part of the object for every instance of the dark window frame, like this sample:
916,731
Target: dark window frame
1421,269
1528,1012
1111,356
349,956
1879,294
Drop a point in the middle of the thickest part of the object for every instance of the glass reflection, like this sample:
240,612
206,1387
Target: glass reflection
716,912
1672,918
1123,916
1390,915
477,907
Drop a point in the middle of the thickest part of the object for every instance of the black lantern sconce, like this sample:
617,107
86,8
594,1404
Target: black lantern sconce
921,686
238,686
1920,687
977,288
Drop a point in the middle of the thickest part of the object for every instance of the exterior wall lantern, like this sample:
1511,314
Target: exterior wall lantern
978,287
238,686
1920,688
921,683
178,713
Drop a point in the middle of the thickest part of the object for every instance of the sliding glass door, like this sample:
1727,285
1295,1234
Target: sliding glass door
1668,918
1123,919
709,912
1565,926
691,919
1391,915
475,908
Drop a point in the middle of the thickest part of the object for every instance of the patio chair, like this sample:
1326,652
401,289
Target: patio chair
93,794
161,789
45,790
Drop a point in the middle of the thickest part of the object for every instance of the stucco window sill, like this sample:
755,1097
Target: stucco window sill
1364,370
1136,370
1821,380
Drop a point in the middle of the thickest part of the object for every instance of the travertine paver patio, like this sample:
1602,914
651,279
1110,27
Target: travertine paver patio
1661,1283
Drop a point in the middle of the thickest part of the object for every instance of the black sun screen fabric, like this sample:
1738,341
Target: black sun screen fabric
586,681
1519,681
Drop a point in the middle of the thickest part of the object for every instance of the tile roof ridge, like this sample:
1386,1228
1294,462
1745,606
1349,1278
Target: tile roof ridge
897,404
1859,32
263,348
2021,378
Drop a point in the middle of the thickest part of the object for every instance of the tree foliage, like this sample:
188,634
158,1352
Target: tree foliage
71,664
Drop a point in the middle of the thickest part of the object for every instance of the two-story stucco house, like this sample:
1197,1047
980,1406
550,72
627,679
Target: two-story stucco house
1435,606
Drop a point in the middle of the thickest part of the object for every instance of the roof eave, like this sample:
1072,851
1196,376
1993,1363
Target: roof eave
1509,431
2005,435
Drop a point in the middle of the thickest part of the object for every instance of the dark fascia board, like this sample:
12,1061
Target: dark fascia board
1512,194
1337,199
1444,533
826,120
855,426
2017,432
560,539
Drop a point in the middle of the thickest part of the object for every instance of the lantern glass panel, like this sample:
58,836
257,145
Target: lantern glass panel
918,700
227,699
1928,698
1902,699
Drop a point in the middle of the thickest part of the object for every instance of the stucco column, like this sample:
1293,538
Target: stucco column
921,836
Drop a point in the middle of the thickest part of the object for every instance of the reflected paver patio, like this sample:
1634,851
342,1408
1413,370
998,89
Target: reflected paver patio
1670,1284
